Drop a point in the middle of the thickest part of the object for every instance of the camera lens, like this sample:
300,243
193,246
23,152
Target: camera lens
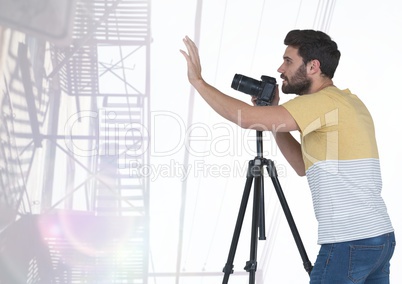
246,85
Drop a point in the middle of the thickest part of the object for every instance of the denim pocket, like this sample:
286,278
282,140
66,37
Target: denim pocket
363,260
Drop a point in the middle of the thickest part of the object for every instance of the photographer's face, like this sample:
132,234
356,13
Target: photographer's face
294,74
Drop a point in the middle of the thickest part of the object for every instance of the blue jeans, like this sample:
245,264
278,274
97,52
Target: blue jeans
356,262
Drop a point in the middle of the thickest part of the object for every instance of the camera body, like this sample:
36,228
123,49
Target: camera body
264,90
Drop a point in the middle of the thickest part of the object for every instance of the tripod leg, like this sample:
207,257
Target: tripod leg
274,177
261,224
228,269
251,265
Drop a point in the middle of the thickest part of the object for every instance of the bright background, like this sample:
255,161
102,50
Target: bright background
192,218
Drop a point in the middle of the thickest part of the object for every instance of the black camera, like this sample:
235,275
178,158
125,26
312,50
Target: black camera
264,90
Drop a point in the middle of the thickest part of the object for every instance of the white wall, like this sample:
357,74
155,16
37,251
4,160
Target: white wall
247,37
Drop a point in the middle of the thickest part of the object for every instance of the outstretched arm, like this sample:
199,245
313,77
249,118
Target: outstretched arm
273,118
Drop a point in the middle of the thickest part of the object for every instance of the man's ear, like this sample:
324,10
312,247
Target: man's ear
313,67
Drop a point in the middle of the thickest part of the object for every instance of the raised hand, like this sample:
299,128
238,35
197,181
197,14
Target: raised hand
193,60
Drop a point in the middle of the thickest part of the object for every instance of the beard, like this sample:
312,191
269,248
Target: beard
299,84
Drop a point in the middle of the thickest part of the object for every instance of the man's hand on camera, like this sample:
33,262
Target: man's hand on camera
254,100
276,98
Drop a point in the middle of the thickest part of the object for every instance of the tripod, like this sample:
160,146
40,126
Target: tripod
255,172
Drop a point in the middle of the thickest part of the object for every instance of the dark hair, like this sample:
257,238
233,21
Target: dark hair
315,45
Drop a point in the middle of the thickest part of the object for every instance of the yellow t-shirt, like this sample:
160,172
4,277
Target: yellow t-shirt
342,165
335,125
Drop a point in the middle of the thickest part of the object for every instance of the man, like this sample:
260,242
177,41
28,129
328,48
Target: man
338,154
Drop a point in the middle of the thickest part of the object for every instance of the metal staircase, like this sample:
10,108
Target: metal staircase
120,190
105,73
121,101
